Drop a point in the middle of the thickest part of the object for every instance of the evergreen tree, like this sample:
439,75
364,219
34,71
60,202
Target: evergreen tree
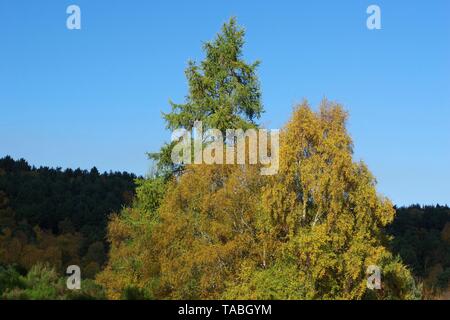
224,91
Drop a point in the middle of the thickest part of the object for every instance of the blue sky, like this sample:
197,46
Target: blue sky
93,97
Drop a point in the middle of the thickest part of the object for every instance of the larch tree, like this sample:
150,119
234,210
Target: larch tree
224,91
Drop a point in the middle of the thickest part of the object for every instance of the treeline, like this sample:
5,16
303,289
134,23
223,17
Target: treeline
421,236
208,231
52,218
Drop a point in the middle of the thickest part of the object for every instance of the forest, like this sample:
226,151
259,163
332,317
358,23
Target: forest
50,219
210,231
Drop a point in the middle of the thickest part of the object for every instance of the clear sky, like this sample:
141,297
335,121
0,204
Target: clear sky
93,97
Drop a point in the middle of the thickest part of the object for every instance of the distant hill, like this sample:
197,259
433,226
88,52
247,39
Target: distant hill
59,202
422,239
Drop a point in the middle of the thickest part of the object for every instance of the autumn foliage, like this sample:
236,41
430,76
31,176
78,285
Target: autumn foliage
225,231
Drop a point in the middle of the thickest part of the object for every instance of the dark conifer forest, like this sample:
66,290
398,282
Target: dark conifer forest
421,237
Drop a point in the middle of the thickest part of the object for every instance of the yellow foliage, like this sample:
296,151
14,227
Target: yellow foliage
225,231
